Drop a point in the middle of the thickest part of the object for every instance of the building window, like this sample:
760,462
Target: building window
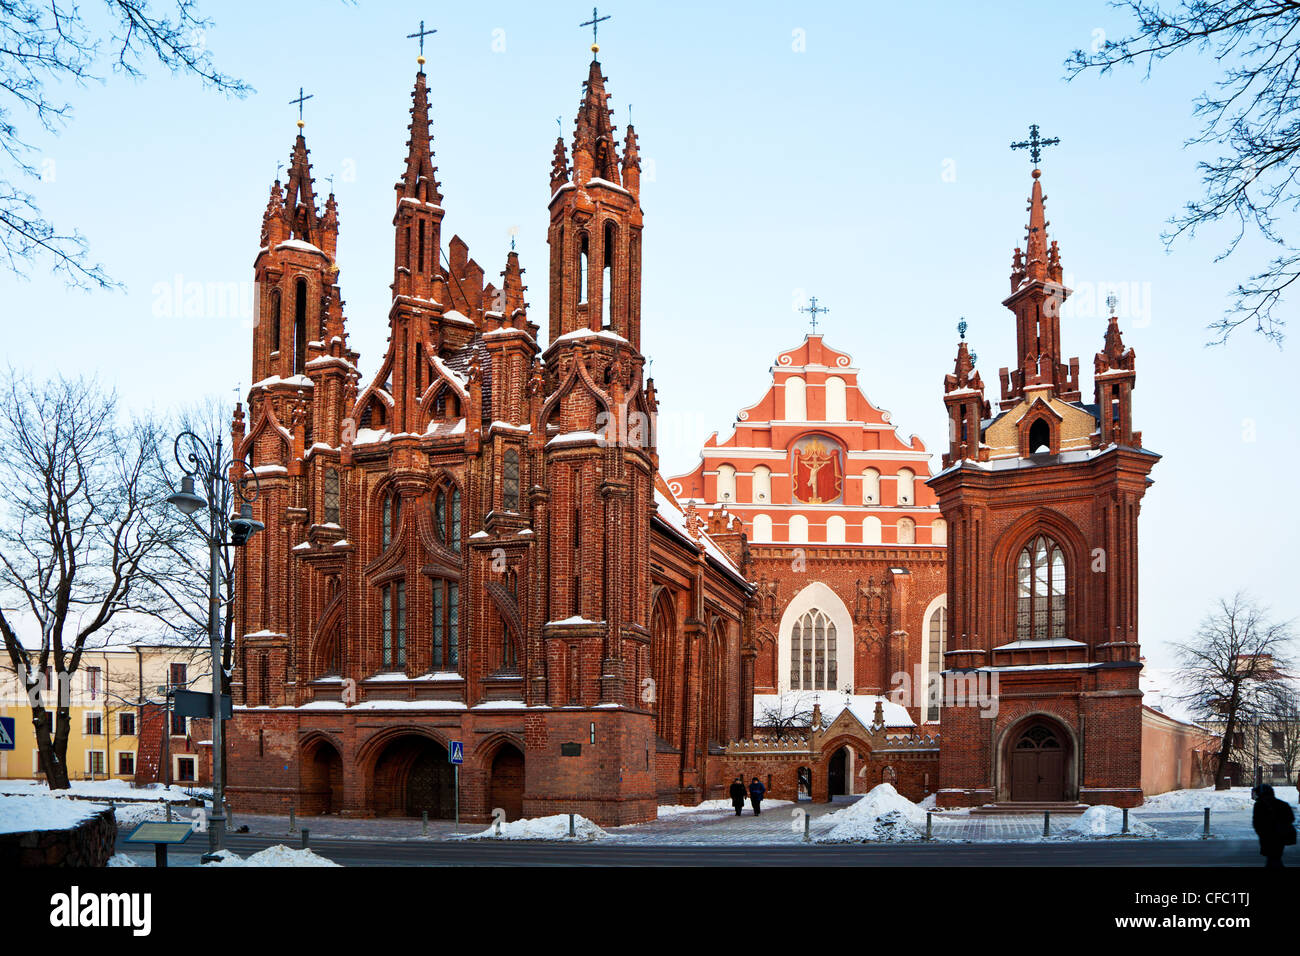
93,676
446,514
394,624
871,528
178,725
906,531
94,725
95,763
762,529
726,484
446,624
331,496
179,675
906,486
871,487
185,769
836,400
1040,437
392,517
798,533
812,652
762,490
510,481
126,724
796,401
936,635
1278,738
939,531
1040,591
126,764
835,530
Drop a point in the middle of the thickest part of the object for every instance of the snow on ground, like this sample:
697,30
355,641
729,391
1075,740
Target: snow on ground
21,814
1238,798
278,855
104,789
1106,821
554,827
711,806
121,859
883,814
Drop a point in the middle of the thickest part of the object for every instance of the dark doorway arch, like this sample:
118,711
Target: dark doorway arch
803,783
322,778
412,776
507,782
837,773
1039,756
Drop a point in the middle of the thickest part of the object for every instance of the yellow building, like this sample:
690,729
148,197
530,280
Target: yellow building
106,696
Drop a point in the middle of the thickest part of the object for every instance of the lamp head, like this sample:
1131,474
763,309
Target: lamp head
245,526
185,499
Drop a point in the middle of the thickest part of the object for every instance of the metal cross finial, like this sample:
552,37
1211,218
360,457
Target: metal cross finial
1035,145
278,167
420,35
961,329
813,309
1111,301
299,101
595,21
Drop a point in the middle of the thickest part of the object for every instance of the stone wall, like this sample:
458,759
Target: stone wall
89,843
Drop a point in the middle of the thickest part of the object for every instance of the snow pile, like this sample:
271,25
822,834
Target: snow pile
1105,821
554,827
278,855
713,806
882,815
1238,798
23,814
121,859
105,790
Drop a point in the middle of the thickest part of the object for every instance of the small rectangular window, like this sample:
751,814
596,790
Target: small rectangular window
126,764
126,724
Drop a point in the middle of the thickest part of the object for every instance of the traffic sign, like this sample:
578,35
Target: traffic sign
6,733
456,752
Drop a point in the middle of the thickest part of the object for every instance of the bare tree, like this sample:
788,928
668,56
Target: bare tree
789,714
80,506
51,42
1250,114
1237,648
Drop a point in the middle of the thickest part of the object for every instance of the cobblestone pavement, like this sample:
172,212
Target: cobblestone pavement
777,824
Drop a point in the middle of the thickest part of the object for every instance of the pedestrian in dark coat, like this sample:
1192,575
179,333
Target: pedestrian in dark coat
756,791
1274,824
738,795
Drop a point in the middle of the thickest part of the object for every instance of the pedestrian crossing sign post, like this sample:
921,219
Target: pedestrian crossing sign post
456,757
6,733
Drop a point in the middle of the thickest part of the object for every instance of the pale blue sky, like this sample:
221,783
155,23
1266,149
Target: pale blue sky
770,174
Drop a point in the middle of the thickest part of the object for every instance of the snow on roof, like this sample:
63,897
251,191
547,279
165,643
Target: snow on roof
833,703
586,333
299,244
20,814
671,512
300,381
573,438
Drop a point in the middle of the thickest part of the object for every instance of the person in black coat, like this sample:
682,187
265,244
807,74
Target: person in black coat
737,792
1274,821
756,791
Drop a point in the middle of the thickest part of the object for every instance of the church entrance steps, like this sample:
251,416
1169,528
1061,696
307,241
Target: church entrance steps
1031,806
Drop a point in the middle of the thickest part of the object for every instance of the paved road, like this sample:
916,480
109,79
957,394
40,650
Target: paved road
1110,853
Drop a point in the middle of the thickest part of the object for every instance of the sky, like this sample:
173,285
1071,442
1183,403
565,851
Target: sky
856,152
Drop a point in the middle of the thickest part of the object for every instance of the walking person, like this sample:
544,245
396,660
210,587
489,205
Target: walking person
1274,824
756,791
737,793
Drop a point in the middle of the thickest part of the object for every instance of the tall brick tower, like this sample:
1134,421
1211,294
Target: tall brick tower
593,433
1042,504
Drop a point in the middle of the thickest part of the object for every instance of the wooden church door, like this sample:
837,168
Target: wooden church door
1038,766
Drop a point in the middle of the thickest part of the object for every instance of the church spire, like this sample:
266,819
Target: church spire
419,179
300,196
595,154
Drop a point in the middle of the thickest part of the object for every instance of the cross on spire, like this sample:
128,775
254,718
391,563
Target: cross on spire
299,101
1035,145
594,22
813,309
420,35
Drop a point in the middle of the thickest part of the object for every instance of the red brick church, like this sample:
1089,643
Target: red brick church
472,543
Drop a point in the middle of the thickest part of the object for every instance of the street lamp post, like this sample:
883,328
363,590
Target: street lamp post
219,495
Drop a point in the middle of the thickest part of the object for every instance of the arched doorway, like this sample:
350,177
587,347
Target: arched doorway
322,778
1039,756
507,787
837,773
412,776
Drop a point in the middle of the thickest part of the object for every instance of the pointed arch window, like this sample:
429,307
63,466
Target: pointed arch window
582,270
299,326
1040,437
812,652
446,624
446,516
275,320
510,481
1040,591
393,624
392,517
331,496
607,275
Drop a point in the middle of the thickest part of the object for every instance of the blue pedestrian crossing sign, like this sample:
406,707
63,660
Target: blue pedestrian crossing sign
456,752
6,733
